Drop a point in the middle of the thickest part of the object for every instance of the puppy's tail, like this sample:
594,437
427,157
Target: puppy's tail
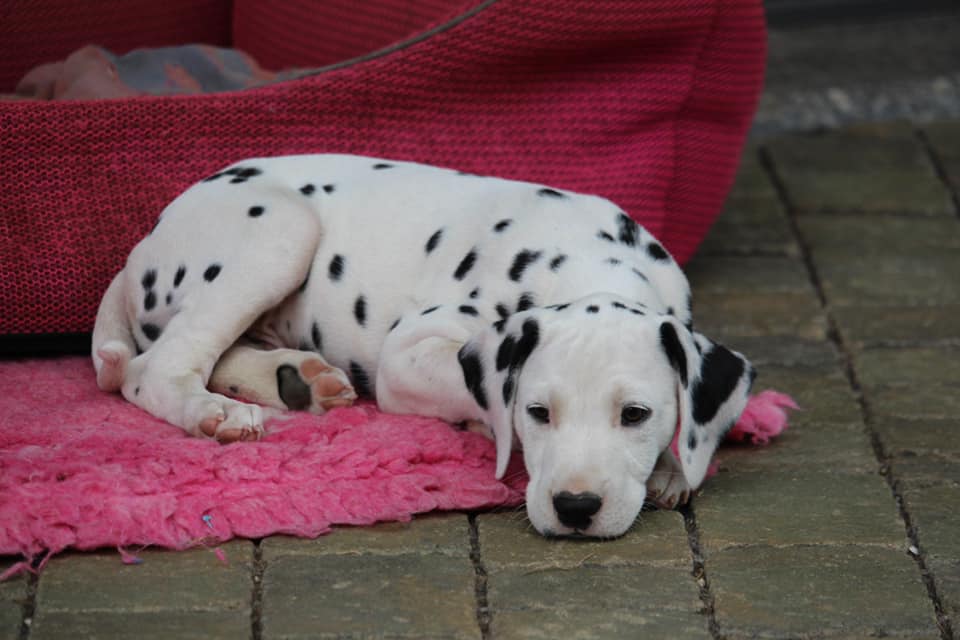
113,345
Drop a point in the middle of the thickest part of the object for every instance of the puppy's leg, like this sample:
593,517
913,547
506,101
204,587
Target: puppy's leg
420,370
113,345
218,268
281,378
667,487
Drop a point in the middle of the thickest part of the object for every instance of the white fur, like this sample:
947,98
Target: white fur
584,365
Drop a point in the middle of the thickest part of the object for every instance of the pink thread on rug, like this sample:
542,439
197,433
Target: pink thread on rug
83,469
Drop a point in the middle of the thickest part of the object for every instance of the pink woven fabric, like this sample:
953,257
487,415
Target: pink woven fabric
646,103
83,469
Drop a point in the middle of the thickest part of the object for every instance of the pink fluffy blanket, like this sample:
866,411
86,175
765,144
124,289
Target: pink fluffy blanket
80,468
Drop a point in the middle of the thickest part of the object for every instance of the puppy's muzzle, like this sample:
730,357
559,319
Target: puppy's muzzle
576,510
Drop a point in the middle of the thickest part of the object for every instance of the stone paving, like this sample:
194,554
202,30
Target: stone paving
836,267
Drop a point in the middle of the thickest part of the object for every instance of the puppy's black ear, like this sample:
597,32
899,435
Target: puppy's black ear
713,385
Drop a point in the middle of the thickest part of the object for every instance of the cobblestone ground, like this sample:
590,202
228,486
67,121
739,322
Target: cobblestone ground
836,267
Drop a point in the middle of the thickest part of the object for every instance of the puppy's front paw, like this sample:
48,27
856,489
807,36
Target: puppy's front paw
226,420
667,487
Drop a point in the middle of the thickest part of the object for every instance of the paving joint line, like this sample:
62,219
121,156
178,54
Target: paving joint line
29,609
699,571
480,579
256,592
835,336
938,167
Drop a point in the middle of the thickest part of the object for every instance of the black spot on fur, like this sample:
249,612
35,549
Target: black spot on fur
238,181
503,224
434,240
293,391
316,337
557,261
335,270
360,311
255,212
430,310
637,312
211,273
559,307
465,265
593,308
383,165
307,189
475,294
149,301
619,305
136,391
525,302
178,278
640,275
673,348
627,230
360,379
719,375
505,353
328,188
603,235
613,261
520,263
508,388
692,441
149,279
530,336
395,324
550,193
152,331
213,177
500,325
468,310
169,299
657,252
249,172
473,375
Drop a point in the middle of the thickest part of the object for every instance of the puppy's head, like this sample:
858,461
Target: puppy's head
595,390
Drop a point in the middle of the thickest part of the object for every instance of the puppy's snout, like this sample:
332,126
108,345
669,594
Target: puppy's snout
576,509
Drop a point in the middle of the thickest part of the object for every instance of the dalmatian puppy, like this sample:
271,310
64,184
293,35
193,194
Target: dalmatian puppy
552,318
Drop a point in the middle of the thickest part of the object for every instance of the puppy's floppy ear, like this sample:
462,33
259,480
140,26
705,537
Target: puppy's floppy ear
713,385
501,351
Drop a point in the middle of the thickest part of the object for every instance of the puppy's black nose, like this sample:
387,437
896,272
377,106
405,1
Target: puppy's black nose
575,510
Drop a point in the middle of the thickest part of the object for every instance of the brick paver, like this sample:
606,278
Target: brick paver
836,268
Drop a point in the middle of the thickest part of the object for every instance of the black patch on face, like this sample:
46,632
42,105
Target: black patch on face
673,348
149,301
525,302
657,252
383,165
335,270
360,311
468,310
508,388
475,294
294,392
503,224
550,193
530,336
465,265
152,331
473,375
692,441
316,337
593,309
307,189
613,261
505,353
433,240
640,275
557,261
211,273
430,310
328,188
627,230
719,375
360,379
178,278
520,263
255,212
149,279
603,235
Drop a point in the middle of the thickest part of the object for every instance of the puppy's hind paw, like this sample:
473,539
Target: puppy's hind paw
110,362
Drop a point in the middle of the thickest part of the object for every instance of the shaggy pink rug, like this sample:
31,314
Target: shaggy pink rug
80,468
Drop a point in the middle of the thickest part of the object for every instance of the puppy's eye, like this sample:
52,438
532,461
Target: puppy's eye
539,413
634,414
